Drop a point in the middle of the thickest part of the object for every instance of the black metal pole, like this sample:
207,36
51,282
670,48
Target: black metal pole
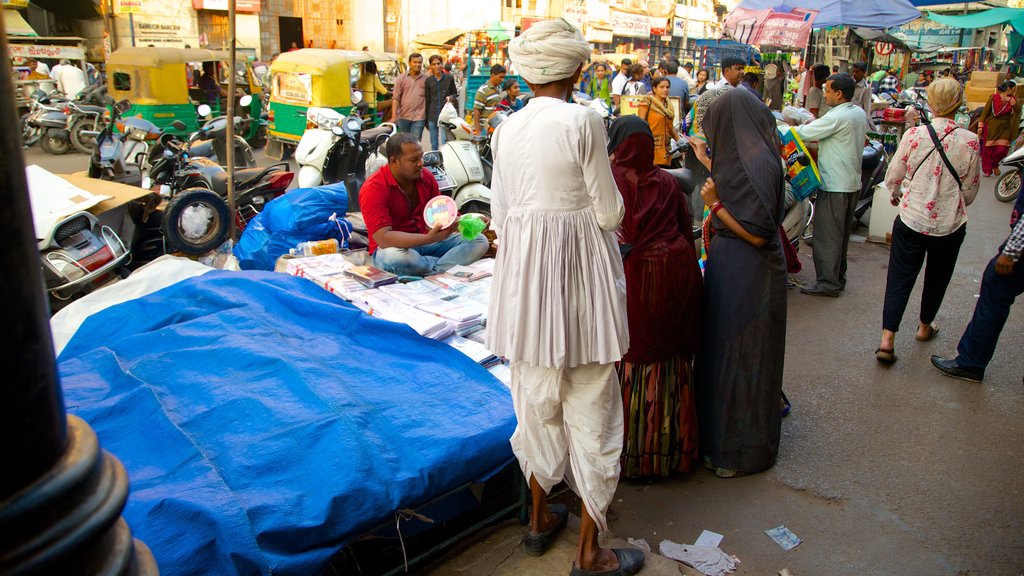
60,495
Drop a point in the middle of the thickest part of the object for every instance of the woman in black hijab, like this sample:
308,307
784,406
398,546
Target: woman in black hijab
743,339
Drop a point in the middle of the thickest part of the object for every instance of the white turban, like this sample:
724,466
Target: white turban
548,51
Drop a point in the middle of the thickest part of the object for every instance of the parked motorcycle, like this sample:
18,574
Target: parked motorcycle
46,123
335,148
86,117
195,218
463,159
1010,181
210,141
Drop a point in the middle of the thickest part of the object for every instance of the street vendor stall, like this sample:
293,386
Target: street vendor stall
22,48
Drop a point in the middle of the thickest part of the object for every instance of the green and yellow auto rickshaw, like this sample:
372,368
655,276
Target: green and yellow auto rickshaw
163,85
315,77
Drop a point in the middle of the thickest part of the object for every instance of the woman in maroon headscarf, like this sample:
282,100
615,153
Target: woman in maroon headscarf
663,296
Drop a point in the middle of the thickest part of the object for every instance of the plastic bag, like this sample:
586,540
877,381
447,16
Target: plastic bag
448,113
300,215
471,226
797,115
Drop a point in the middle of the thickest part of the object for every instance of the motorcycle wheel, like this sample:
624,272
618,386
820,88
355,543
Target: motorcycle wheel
1008,186
260,139
55,142
82,143
476,207
195,221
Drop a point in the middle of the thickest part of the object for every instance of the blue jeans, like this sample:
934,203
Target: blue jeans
978,343
414,127
433,258
437,136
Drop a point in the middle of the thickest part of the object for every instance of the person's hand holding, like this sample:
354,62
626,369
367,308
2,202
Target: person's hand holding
1004,265
700,150
437,233
709,192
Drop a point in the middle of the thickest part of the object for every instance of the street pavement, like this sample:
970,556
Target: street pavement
883,470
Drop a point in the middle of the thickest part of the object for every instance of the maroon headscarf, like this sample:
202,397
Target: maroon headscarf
663,281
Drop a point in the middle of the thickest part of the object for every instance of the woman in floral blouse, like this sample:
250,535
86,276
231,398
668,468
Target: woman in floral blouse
932,217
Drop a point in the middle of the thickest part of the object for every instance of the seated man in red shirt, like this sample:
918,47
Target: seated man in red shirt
392,201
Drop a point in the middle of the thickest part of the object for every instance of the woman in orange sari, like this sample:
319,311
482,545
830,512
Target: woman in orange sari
998,126
658,113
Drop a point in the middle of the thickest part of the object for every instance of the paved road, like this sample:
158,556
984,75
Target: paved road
883,470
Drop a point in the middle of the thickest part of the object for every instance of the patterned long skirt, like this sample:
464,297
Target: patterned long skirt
660,418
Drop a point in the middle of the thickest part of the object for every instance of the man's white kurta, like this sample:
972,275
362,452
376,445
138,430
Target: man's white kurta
558,298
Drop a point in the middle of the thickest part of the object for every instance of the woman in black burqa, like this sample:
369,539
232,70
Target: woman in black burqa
743,340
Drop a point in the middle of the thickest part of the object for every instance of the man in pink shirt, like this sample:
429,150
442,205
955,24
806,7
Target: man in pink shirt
411,98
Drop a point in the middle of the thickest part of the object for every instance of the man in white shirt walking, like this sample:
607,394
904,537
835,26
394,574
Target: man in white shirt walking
70,79
620,79
840,134
733,69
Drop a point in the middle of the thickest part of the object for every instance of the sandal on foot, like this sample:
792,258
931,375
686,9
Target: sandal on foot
786,405
630,562
932,331
538,544
887,356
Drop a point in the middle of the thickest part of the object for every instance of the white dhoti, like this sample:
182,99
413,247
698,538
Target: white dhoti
570,416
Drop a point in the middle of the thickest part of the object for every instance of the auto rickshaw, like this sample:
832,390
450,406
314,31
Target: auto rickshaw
316,77
159,82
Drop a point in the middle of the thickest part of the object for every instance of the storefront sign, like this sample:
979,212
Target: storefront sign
630,25
240,5
599,34
691,27
162,32
38,51
770,28
659,26
576,15
129,6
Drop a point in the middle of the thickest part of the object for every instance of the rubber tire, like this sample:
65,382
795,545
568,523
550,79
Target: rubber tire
175,209
27,140
1012,196
476,206
260,139
55,144
76,140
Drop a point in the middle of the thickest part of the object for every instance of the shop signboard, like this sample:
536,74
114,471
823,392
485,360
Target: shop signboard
691,27
164,32
599,34
630,25
770,28
129,6
51,52
252,6
659,26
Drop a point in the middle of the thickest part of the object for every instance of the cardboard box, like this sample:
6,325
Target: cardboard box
982,78
974,93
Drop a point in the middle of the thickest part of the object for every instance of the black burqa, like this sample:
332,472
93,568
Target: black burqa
743,340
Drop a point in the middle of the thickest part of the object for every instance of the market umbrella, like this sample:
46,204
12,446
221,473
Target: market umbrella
439,38
875,14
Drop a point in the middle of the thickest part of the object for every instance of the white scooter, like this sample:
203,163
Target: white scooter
314,151
461,160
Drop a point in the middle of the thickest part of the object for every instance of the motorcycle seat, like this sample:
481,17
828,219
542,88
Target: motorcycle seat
372,133
90,109
219,180
870,159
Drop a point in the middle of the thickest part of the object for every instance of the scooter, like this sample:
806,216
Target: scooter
196,217
118,156
78,255
1010,181
46,123
335,148
462,161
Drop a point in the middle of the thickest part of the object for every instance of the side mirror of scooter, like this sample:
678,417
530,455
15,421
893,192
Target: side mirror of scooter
245,100
337,131
179,125
203,110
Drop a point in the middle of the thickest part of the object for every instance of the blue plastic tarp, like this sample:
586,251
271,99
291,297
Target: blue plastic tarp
303,214
875,14
265,423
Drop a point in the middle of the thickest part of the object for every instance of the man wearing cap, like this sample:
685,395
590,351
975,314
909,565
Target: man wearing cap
558,308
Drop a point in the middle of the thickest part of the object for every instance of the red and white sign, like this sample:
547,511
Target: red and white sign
630,25
240,5
659,26
51,52
884,48
770,28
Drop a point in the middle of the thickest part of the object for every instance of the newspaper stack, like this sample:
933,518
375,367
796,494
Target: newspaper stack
328,271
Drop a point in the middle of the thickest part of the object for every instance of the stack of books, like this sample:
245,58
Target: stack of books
370,276
476,351
328,271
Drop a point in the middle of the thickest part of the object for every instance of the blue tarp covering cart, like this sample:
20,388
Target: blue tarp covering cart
265,423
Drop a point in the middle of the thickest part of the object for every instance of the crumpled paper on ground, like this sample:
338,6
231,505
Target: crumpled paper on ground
709,560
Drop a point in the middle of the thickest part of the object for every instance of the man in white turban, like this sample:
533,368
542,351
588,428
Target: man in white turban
558,308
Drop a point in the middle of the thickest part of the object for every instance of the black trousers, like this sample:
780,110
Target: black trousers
906,257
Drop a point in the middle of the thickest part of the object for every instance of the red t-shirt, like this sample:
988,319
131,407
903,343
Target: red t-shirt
384,204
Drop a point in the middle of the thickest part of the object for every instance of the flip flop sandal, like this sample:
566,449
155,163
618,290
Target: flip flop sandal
932,331
538,544
630,562
786,405
886,356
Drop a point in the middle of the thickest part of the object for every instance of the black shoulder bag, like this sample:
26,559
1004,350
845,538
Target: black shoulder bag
942,153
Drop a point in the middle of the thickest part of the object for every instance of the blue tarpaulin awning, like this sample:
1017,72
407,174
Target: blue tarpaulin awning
994,17
874,14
